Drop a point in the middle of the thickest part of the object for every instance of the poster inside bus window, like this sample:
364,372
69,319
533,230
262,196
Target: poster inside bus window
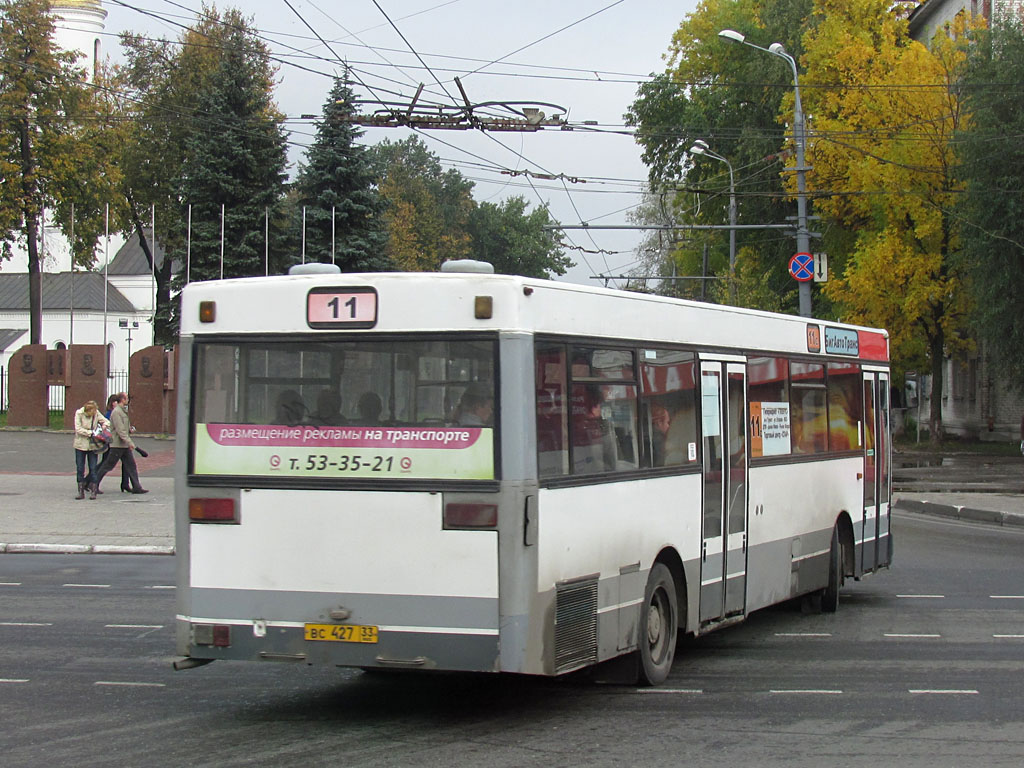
770,429
271,450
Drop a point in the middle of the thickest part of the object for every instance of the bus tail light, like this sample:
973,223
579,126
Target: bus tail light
217,635
212,511
463,515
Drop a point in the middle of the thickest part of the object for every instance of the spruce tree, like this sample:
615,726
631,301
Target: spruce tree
344,212
235,158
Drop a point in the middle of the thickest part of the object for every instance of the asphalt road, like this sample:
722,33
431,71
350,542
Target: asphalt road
922,666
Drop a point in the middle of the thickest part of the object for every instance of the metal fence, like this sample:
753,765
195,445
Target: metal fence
117,381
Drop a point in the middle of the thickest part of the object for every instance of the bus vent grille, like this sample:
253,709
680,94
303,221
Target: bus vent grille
575,625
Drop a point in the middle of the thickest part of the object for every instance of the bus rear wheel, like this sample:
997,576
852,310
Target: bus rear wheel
659,623
830,595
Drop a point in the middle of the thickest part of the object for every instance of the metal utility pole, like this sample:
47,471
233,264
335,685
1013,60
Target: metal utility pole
803,237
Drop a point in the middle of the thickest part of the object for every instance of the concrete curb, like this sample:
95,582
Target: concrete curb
84,549
970,514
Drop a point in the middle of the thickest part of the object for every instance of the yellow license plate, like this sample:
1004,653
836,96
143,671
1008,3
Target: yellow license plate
341,633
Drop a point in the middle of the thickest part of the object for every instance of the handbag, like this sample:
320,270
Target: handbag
101,435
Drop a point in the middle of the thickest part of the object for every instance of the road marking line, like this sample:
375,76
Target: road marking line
134,626
899,634
10,583
1007,597
1010,637
831,692
951,691
803,634
162,586
13,680
130,684
88,586
25,624
936,597
669,690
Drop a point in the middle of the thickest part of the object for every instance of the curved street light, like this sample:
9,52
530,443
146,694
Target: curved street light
803,238
700,147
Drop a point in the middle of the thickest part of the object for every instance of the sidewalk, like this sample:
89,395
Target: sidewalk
38,511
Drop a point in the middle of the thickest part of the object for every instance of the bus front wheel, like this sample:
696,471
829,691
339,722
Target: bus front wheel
659,622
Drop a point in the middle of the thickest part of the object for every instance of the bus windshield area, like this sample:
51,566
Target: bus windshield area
402,406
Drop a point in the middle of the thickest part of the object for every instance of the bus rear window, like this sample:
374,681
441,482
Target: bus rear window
414,408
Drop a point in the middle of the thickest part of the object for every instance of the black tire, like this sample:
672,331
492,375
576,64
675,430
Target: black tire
659,626
830,595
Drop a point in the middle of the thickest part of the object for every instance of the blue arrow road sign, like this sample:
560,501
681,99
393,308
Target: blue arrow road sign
801,267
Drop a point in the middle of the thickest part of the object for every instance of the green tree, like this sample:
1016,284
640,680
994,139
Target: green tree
718,93
206,95
234,163
344,209
884,169
428,208
516,242
991,209
52,144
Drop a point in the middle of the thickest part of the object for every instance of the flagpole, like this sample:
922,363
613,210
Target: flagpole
222,241
152,276
188,248
71,318
106,260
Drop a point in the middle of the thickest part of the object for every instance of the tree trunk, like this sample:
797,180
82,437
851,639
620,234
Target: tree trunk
30,212
936,346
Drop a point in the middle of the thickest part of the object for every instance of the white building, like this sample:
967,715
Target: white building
77,309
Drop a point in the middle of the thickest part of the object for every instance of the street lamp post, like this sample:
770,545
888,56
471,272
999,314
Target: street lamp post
803,237
700,147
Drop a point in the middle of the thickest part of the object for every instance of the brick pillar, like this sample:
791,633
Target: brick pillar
26,390
86,379
146,386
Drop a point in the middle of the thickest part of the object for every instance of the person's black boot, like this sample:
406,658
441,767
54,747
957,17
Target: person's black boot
81,491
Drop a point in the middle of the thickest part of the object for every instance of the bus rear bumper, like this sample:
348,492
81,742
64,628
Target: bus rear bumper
394,647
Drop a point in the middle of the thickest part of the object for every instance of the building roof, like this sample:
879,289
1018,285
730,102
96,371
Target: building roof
88,287
10,335
130,259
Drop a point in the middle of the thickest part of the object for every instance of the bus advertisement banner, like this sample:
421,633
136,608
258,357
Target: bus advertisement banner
425,453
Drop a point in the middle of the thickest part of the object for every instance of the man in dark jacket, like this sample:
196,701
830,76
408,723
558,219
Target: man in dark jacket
121,447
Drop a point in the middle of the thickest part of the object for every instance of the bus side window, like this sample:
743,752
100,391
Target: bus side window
552,410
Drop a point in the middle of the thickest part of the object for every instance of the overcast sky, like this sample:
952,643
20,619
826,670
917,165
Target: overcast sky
502,51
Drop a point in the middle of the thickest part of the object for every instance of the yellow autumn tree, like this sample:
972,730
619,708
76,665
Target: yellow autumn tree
884,110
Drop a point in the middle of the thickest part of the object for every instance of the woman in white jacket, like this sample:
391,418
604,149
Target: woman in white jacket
87,419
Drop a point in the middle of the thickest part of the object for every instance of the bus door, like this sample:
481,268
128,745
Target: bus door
875,548
723,551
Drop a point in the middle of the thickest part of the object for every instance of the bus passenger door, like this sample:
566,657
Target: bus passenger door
736,490
875,546
712,560
723,565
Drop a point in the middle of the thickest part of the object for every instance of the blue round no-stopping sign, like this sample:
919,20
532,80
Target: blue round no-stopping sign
801,267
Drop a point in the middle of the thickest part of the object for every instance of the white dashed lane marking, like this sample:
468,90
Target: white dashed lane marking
911,636
825,691
948,692
13,680
87,586
25,624
923,597
128,684
803,634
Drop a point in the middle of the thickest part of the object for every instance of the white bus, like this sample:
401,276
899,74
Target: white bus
491,473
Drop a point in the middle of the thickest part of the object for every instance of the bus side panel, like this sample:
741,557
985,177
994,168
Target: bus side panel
610,533
181,525
296,556
793,508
